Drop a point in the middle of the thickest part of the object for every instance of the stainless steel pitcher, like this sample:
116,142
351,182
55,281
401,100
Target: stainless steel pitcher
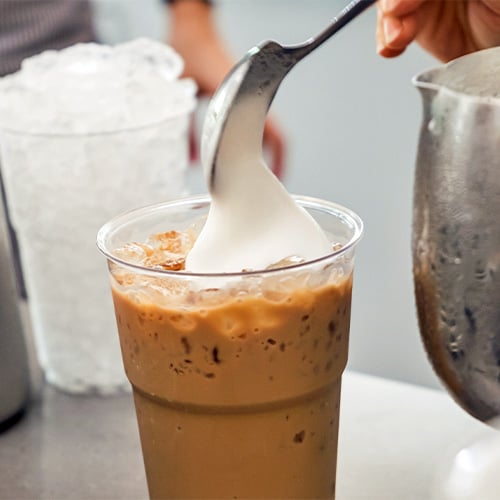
456,231
14,363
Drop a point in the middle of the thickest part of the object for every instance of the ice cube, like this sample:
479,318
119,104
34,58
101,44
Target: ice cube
135,253
291,260
171,241
165,261
143,54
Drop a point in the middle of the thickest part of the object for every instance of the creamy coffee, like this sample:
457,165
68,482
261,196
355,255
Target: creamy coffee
235,388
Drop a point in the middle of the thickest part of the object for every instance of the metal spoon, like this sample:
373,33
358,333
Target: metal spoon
253,222
259,73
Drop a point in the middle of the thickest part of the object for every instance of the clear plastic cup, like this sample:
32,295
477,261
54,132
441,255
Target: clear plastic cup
86,132
236,377
60,189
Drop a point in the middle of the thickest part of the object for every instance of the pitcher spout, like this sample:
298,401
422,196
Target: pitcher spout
428,80
426,83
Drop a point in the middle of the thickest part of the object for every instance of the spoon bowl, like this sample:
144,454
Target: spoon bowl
257,76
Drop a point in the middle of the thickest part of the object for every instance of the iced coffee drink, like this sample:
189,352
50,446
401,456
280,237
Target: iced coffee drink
236,376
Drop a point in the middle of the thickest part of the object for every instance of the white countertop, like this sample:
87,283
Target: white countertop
396,438
393,439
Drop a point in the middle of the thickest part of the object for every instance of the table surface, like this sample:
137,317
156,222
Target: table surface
394,437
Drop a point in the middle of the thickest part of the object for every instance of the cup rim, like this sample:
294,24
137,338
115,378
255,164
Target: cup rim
349,216
185,112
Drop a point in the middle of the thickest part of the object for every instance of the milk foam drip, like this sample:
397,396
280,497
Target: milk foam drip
253,221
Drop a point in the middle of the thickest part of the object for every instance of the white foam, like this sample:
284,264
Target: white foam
253,222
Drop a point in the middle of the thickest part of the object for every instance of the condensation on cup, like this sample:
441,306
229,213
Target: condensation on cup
85,133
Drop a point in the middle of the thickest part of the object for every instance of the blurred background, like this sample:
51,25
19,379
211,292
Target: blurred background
352,121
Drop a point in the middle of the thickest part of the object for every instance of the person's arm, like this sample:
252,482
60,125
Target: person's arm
445,28
194,36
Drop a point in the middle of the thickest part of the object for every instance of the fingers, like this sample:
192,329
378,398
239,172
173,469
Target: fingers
484,21
388,29
493,6
394,31
399,8
274,143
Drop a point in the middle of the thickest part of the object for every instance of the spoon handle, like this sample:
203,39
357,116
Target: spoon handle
346,15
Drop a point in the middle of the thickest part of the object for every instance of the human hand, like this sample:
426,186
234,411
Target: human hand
194,37
445,28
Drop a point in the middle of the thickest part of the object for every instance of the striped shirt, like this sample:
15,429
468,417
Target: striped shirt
28,27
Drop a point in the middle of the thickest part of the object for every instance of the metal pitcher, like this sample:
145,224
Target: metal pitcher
14,363
456,228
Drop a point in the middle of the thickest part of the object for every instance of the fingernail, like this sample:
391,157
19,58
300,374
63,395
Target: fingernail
386,5
380,46
392,29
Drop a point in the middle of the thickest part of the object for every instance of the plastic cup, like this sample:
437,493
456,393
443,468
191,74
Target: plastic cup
236,377
60,189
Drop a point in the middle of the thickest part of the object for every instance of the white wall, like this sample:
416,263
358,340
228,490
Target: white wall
351,120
